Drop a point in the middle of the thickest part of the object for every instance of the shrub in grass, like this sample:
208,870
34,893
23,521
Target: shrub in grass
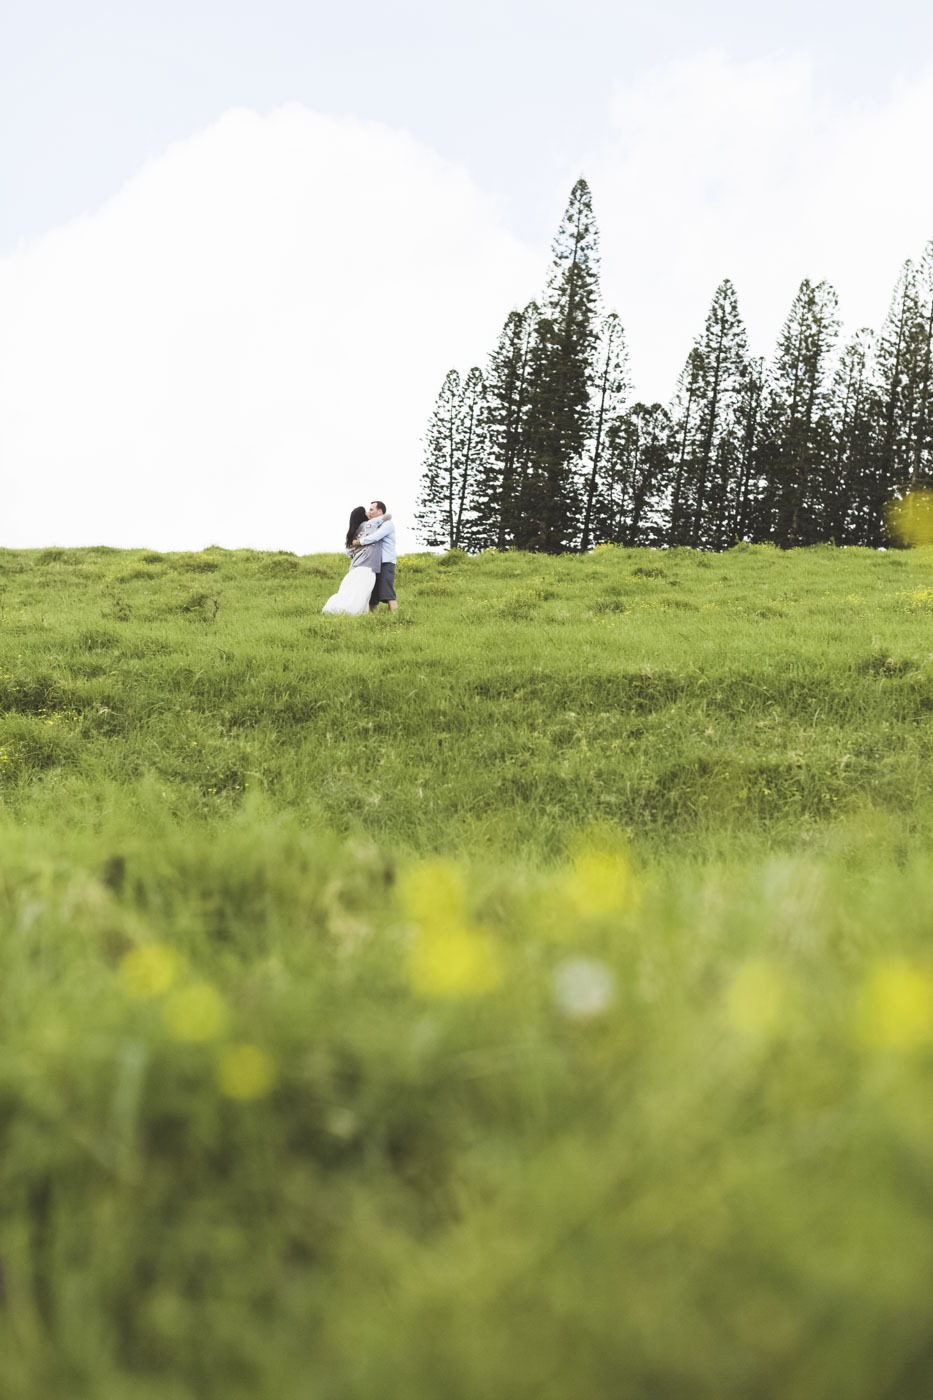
452,558
417,563
428,589
95,639
136,574
193,563
56,555
33,743
199,606
279,566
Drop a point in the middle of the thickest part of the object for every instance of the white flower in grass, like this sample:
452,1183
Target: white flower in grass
583,987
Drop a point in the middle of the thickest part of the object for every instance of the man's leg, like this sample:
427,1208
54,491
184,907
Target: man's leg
387,587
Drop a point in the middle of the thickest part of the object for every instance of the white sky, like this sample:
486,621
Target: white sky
241,243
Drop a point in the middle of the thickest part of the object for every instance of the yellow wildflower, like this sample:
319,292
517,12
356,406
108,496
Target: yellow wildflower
895,1009
245,1072
434,893
601,880
919,599
448,957
454,962
149,970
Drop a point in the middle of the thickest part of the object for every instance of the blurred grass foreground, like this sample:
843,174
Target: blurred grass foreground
530,995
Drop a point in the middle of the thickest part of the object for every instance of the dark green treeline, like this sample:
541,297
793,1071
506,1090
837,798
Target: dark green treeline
545,449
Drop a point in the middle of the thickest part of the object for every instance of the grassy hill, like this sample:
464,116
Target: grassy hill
527,995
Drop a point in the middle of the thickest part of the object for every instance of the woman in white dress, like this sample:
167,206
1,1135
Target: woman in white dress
365,560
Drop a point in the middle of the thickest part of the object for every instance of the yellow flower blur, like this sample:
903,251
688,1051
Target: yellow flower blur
195,1013
448,957
756,997
454,962
910,519
245,1072
600,880
150,970
433,893
896,1006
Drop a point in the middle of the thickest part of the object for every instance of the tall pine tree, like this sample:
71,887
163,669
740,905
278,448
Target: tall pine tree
609,391
473,424
557,423
640,452
507,395
455,453
796,433
685,414
898,376
748,417
854,499
922,462
710,431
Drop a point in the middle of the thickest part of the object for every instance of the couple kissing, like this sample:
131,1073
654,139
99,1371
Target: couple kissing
370,579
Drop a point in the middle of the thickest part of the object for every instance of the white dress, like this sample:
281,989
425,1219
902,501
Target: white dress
354,592
352,597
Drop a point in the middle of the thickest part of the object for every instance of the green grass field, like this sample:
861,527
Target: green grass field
528,996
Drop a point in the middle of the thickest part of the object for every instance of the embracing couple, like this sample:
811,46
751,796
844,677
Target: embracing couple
370,579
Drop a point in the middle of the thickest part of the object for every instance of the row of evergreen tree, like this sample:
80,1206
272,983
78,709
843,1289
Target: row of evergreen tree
544,450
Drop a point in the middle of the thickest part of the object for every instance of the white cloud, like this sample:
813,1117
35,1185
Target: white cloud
747,170
246,341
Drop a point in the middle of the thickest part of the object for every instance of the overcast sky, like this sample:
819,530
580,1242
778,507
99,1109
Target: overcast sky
241,243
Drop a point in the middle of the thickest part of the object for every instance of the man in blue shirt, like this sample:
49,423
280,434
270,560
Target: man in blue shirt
384,589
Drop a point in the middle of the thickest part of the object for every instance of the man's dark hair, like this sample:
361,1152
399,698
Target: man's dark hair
380,504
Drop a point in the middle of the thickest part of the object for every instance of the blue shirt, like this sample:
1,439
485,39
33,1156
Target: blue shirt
386,533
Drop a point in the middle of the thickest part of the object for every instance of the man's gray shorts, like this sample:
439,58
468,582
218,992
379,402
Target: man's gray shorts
384,590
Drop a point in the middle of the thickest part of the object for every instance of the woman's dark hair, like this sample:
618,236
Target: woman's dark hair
357,516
